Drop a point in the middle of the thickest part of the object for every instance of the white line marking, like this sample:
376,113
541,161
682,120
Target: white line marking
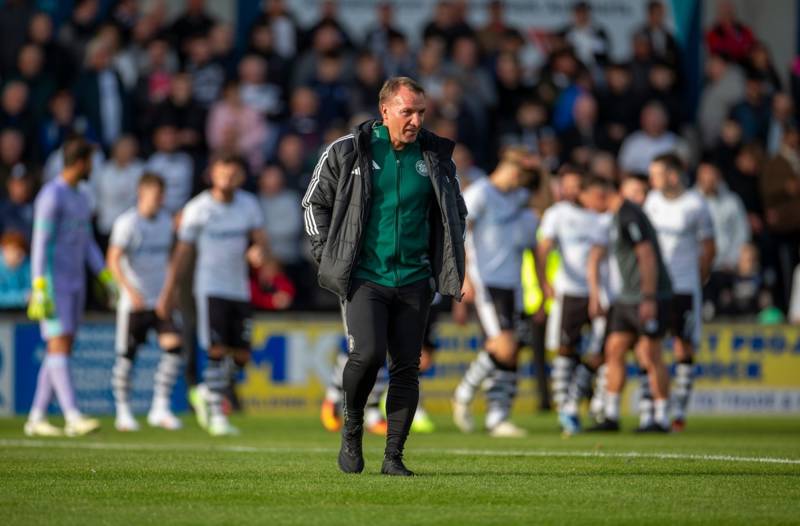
62,444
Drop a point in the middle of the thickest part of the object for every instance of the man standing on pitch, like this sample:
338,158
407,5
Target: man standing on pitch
386,219
63,247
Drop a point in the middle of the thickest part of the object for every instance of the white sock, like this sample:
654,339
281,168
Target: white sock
36,415
612,406
660,408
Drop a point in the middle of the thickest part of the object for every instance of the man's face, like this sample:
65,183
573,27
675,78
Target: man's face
658,176
634,189
84,169
707,178
403,115
226,176
570,186
151,198
595,198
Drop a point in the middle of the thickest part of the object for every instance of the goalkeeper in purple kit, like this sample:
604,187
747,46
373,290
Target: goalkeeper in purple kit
62,247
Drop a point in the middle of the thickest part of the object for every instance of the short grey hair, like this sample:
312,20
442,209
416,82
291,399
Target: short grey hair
393,84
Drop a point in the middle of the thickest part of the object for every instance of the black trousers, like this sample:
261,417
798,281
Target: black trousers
378,319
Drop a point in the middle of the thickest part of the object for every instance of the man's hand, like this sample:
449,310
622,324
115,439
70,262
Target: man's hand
468,292
648,310
137,301
107,280
460,313
164,305
596,309
41,305
425,360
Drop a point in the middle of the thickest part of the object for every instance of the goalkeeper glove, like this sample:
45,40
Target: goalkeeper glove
112,290
41,305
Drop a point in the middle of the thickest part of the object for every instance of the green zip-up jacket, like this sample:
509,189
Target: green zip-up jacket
394,252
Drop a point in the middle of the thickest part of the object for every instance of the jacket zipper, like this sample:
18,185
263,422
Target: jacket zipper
397,221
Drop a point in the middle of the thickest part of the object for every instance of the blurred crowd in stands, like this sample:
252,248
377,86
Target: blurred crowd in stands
165,94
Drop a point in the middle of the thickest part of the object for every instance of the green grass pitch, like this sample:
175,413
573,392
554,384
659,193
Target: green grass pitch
283,471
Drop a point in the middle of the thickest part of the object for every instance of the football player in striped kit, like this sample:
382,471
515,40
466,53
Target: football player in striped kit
685,231
138,256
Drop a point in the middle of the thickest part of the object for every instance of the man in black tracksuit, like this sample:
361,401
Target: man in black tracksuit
386,219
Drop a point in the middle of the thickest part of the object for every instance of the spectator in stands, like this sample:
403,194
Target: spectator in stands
236,128
304,119
510,88
291,158
651,140
41,83
56,57
467,172
604,164
724,88
220,38
15,15
193,22
446,26
257,90
331,88
76,33
270,287
619,108
12,149
16,209
429,68
14,111
590,41
469,120
368,81
558,75
744,181
283,27
174,166
731,228
182,112
753,113
378,38
60,123
15,271
208,75
329,17
326,40
781,117
780,194
124,59
746,294
156,76
115,185
476,80
728,36
663,44
100,95
492,35
759,64
585,136
262,43
664,89
401,60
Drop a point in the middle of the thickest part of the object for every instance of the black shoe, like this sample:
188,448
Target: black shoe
653,427
604,426
351,457
393,465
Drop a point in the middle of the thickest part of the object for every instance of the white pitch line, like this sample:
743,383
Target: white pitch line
56,444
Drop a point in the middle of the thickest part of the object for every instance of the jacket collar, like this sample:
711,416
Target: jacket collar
428,141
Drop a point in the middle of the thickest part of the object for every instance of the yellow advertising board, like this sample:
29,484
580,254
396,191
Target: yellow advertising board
740,368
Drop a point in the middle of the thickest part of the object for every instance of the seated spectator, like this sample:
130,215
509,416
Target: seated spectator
16,210
586,135
475,80
15,271
446,25
366,86
663,44
325,39
236,128
291,157
262,43
780,185
41,82
175,167
76,33
467,172
270,288
220,37
510,87
331,89
156,75
282,24
57,59
759,64
744,181
430,69
728,36
653,139
664,89
115,185
619,108
378,37
745,294
304,119
192,22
